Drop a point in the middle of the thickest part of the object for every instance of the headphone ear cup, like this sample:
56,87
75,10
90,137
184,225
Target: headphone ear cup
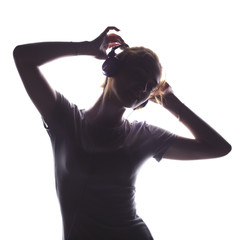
110,66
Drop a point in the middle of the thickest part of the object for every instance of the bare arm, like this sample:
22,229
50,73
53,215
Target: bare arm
207,143
30,57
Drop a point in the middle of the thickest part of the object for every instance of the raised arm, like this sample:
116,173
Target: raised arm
29,57
207,143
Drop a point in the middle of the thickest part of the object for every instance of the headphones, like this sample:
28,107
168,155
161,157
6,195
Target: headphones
111,66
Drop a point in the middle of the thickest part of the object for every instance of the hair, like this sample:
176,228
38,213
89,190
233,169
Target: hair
146,59
141,57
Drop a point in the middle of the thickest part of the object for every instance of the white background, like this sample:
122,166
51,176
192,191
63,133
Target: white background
198,45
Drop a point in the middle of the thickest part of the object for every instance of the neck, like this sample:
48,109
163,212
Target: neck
106,112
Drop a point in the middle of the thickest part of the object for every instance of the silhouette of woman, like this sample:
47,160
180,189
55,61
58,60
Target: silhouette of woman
97,152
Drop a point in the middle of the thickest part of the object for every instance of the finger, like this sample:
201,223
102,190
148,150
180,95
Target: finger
110,28
152,99
114,38
111,45
164,86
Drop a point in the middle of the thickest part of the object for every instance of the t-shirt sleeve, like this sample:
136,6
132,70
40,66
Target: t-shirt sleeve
63,114
161,140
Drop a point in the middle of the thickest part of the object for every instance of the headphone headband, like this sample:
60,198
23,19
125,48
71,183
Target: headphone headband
112,52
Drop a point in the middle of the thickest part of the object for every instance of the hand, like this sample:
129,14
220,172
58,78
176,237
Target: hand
160,92
105,41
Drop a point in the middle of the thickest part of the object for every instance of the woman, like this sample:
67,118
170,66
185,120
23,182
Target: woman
97,152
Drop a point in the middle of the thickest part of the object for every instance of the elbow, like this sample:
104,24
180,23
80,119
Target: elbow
17,52
24,55
223,150
227,149
21,54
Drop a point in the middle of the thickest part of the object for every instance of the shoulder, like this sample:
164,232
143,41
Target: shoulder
64,105
149,129
142,132
65,112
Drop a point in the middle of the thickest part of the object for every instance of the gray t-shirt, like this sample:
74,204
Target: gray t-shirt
95,172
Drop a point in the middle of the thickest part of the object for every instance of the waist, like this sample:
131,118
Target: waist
109,201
